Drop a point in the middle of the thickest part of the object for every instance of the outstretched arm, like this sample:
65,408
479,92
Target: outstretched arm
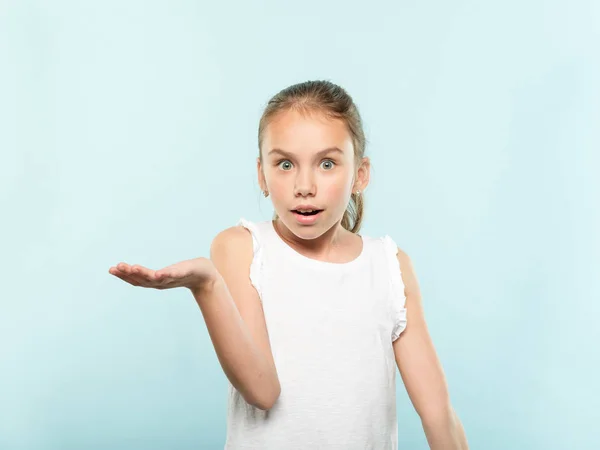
422,372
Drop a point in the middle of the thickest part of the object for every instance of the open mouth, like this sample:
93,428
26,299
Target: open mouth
307,213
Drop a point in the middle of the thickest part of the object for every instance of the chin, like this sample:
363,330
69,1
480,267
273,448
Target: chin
306,231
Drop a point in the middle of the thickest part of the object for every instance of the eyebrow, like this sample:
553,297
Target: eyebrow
322,152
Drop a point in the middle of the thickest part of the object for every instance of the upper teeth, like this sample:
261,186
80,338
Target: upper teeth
307,210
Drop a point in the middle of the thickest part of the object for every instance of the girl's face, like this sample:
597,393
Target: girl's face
308,161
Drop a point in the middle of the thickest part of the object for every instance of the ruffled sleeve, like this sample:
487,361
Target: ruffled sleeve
257,260
398,297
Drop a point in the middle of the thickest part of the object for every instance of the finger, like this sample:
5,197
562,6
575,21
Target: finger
141,278
143,272
127,271
148,277
123,267
138,280
125,277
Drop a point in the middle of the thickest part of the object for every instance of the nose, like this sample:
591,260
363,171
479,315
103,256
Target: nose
305,184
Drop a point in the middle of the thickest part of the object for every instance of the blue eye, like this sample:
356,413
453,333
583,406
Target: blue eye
330,162
284,161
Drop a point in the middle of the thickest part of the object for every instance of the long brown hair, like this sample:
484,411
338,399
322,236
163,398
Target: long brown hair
333,101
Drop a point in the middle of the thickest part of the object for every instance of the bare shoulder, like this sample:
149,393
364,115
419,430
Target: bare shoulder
236,239
231,252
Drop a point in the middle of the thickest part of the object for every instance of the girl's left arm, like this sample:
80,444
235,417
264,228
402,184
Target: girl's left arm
422,371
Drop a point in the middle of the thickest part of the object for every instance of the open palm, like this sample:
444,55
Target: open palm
192,273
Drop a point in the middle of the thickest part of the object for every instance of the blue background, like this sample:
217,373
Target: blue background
128,133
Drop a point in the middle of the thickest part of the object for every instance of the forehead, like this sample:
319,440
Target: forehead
306,133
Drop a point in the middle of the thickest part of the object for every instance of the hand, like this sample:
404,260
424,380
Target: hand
194,274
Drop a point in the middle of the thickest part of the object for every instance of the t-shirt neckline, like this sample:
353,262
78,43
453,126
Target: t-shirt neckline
327,265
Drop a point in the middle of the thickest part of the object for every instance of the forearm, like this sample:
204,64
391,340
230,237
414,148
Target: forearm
245,366
445,432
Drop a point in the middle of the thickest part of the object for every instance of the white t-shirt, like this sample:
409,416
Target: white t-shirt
331,328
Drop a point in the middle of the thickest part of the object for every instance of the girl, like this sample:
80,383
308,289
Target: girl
308,317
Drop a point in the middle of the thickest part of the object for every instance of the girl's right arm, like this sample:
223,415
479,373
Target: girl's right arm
235,320
231,308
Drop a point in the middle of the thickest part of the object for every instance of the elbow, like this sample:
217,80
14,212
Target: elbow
265,403
267,399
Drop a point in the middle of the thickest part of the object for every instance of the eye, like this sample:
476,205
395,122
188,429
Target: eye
285,161
330,162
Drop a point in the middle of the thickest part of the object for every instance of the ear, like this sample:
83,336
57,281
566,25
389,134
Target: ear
262,183
363,175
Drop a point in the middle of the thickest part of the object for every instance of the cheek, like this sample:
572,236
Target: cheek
278,182
339,189
278,185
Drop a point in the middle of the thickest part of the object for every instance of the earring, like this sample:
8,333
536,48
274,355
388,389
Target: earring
357,192
266,193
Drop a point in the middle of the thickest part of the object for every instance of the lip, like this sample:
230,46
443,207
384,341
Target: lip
307,220
306,206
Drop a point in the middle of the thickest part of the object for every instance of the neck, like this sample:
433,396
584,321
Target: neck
321,246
